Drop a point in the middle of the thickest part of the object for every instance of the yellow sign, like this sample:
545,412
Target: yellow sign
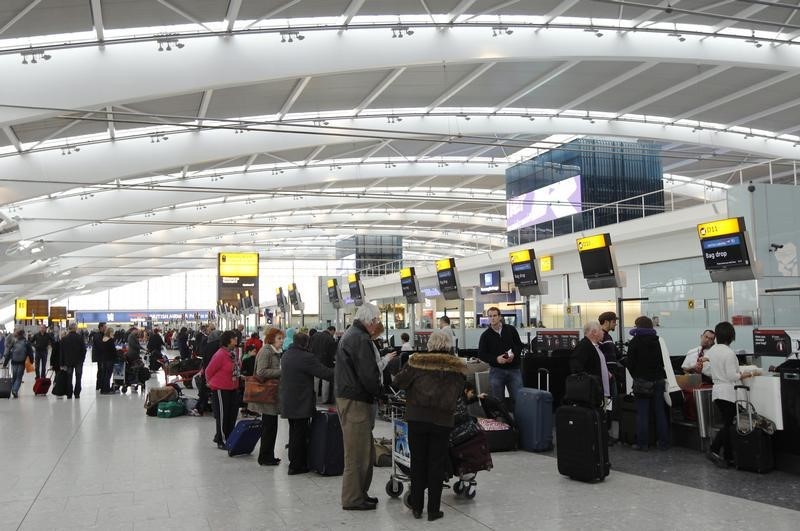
331,282
445,264
546,264
598,241
520,256
278,290
691,304
352,277
407,272
720,228
21,312
238,264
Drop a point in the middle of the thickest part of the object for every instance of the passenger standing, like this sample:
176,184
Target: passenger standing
646,363
183,344
501,347
433,382
210,346
18,351
268,365
222,378
298,369
97,337
587,356
73,354
106,356
357,386
323,345
42,341
726,375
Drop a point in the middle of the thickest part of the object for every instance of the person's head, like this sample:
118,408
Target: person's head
593,331
182,331
240,327
311,332
405,338
370,316
212,327
331,330
274,337
440,341
20,334
608,321
444,321
643,322
707,339
301,340
73,327
725,333
204,328
43,328
469,391
108,332
493,314
101,326
227,339
254,335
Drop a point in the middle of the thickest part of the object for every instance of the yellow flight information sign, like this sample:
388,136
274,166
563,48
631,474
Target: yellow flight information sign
238,264
445,264
21,312
331,282
722,227
407,272
520,256
546,264
352,277
598,241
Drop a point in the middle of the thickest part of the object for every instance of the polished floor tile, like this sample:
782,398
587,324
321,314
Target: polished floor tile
100,463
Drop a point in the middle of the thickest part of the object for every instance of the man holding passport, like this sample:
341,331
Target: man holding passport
501,347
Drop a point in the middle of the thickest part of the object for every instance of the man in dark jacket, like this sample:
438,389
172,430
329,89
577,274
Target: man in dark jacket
501,347
134,346
323,345
209,348
298,369
73,354
42,340
587,356
357,386
97,340
18,350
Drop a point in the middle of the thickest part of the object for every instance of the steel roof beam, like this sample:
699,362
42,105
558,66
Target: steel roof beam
183,13
461,85
271,13
232,14
540,82
378,90
16,18
97,19
694,80
298,89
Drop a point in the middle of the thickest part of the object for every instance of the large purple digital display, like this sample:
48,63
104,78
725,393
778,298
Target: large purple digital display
544,204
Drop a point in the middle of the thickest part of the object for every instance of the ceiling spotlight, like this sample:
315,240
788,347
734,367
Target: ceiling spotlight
166,42
68,149
464,116
389,164
492,163
156,138
34,55
393,119
320,122
442,164
289,36
588,118
500,30
752,40
276,171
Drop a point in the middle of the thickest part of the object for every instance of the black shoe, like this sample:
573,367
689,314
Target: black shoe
69,397
15,394
612,441
371,499
77,396
435,516
270,462
221,446
216,440
364,506
417,514
716,459
295,471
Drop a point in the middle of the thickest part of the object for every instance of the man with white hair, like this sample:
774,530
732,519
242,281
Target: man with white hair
357,383
587,356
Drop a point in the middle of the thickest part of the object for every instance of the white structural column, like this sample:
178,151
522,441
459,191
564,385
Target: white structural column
232,14
97,19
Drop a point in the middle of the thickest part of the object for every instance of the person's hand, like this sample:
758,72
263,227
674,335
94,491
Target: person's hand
502,359
391,355
482,396
746,374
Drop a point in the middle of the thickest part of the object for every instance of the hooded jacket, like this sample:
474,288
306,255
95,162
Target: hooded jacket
644,355
433,384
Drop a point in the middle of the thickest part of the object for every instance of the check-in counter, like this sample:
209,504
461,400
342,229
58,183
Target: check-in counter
765,394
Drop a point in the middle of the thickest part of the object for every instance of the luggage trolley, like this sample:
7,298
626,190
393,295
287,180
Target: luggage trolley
401,451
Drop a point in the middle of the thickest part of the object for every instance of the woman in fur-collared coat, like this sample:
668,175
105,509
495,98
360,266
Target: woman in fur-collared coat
433,382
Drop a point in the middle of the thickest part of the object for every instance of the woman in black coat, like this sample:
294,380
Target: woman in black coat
433,382
299,366
183,344
646,364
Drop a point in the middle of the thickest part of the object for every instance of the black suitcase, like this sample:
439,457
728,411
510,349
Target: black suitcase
627,422
752,447
326,450
584,390
5,383
581,443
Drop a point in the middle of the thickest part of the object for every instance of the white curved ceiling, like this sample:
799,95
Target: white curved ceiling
120,161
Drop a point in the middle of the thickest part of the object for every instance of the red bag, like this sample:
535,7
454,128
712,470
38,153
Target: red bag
42,385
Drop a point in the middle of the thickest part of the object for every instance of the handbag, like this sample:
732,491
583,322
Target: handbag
29,365
583,389
463,432
643,388
260,391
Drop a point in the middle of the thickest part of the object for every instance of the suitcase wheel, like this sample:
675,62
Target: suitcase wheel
458,488
394,488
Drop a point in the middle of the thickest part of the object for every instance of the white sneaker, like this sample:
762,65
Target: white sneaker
194,413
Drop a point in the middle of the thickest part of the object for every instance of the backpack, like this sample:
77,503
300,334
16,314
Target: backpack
19,351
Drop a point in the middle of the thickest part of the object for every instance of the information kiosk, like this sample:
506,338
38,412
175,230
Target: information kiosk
450,286
356,288
410,286
297,302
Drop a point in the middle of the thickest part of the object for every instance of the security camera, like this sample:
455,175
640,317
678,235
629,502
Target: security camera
774,247
751,188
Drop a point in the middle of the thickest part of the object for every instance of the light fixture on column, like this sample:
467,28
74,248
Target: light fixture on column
399,31
500,30
752,40
391,119
675,34
35,55
156,138
68,149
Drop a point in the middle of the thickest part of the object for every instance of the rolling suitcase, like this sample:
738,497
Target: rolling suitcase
5,383
42,385
471,456
326,450
244,437
752,447
500,436
533,413
582,449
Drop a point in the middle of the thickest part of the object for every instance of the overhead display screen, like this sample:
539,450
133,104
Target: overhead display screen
334,295
446,276
408,283
279,296
544,204
595,255
356,289
522,268
725,252
237,277
490,282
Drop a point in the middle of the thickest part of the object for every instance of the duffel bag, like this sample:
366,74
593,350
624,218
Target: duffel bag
170,409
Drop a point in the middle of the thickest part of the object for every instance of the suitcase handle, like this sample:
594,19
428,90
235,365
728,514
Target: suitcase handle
546,380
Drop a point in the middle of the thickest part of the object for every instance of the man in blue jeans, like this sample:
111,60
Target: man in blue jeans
18,350
501,348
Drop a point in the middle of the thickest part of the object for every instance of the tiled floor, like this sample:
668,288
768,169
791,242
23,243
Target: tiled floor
100,463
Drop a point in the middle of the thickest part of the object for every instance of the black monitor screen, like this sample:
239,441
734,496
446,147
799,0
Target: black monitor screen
490,282
333,294
524,274
447,281
725,252
355,293
409,287
597,263
293,297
